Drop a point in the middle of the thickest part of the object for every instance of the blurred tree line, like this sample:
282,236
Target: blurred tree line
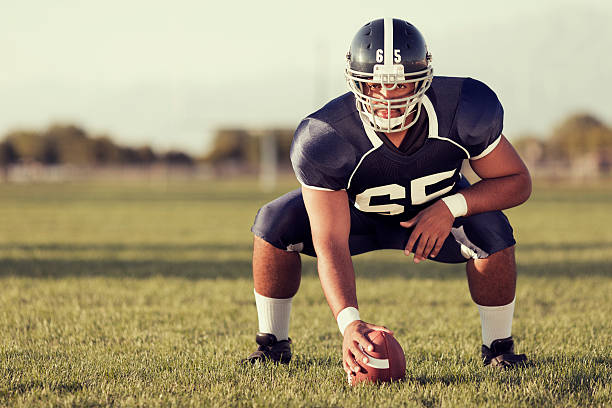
237,146
578,141
579,138
69,144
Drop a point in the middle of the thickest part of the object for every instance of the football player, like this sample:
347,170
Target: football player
380,168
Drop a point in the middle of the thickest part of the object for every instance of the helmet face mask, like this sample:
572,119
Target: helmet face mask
378,56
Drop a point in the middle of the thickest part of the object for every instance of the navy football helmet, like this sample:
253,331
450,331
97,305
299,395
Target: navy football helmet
388,52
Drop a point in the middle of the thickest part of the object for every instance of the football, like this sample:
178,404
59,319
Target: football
386,362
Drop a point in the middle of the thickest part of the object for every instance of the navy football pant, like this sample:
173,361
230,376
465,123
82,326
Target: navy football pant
284,224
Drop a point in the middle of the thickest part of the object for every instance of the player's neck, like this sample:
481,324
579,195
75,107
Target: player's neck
397,137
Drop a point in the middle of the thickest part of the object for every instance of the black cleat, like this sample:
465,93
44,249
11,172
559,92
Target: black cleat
501,354
270,349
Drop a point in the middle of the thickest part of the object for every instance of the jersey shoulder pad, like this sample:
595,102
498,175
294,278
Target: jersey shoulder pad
337,110
321,158
480,118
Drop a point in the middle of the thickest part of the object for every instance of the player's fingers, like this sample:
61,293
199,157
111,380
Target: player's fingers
418,253
358,350
411,240
364,342
429,246
347,368
380,328
437,248
409,223
353,366
362,338
350,362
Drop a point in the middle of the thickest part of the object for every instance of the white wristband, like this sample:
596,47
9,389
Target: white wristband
347,316
456,204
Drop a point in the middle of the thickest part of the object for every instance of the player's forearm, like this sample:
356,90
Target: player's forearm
337,276
497,193
330,224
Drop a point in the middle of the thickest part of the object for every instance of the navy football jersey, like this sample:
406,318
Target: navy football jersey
332,150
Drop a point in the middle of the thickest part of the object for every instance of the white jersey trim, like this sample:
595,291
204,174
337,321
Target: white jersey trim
431,114
467,154
371,134
317,188
433,125
376,143
359,164
488,150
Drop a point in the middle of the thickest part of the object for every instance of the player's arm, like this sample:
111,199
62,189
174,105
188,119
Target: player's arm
505,180
505,183
330,223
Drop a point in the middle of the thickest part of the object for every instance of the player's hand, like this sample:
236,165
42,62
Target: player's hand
355,335
431,227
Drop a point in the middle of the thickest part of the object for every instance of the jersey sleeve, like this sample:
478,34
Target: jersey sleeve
480,118
321,158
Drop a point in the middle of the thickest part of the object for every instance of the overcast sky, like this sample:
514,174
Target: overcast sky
168,73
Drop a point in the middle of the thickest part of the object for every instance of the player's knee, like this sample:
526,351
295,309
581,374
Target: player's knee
272,218
486,234
267,218
491,222
279,221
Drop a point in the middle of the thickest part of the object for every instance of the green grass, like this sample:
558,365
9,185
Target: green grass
127,294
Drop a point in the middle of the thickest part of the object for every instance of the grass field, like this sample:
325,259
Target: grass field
130,294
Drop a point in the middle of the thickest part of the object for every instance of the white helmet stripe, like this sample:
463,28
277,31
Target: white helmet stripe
388,52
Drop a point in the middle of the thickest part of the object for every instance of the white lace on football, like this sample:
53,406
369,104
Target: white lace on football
373,362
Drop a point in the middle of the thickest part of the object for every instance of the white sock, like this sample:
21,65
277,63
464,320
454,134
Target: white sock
273,315
496,322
